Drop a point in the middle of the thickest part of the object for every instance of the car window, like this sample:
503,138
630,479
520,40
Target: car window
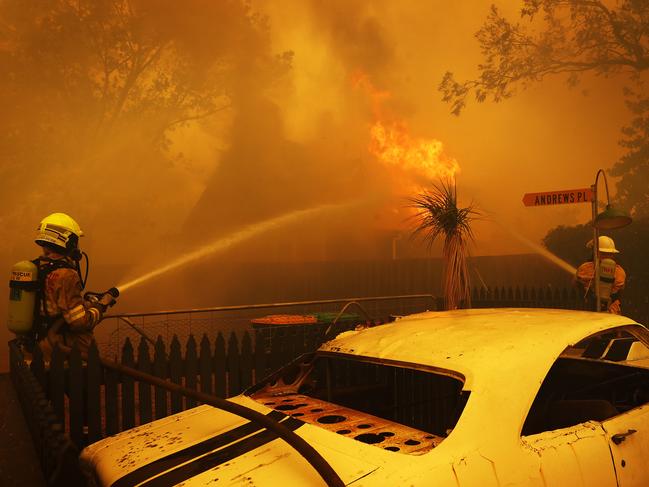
598,378
395,407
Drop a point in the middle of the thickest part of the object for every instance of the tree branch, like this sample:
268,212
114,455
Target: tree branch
591,38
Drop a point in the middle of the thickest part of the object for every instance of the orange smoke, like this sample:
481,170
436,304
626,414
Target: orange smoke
393,145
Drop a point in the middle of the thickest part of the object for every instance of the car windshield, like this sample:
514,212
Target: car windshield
398,407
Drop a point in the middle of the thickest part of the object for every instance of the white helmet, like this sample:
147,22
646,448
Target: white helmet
606,245
59,230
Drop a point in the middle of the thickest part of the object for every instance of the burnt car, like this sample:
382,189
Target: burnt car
484,397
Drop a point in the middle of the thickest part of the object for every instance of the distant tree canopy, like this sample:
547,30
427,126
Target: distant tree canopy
570,37
91,91
633,167
95,66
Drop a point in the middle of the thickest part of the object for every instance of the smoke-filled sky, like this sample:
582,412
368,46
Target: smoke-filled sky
309,131
309,141
549,137
288,139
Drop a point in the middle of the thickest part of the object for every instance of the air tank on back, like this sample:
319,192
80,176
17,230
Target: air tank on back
23,286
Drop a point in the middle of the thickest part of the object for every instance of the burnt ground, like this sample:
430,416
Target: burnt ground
19,466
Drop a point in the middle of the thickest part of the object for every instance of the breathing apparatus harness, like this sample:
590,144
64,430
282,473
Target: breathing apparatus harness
607,268
46,265
28,317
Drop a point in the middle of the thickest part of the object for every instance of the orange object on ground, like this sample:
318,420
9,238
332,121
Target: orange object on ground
285,320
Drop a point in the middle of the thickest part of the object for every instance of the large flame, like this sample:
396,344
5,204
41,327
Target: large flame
392,144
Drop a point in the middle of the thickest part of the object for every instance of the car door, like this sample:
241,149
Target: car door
628,436
589,424
577,456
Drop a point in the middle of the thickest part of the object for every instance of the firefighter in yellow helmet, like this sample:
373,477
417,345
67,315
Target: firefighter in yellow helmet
611,276
63,313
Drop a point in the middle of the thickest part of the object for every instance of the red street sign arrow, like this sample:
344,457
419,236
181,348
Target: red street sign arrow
583,195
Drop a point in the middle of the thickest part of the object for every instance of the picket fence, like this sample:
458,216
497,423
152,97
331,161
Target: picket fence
94,401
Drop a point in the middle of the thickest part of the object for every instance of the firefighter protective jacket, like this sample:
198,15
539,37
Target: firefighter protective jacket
586,274
62,298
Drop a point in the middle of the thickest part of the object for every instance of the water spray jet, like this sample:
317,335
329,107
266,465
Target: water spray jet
224,243
562,264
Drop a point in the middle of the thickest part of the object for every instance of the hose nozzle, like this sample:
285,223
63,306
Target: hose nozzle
101,298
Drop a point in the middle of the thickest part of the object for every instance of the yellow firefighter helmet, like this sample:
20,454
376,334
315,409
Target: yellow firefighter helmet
606,245
60,230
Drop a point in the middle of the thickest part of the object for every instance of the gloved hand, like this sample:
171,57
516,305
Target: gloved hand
107,300
615,307
102,301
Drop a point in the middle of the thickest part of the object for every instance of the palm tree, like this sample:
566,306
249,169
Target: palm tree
438,215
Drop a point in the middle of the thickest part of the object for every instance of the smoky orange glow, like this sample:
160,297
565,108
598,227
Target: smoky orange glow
166,125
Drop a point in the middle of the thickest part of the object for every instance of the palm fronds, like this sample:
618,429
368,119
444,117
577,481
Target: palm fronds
438,216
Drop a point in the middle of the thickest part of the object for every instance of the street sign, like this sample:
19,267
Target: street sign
568,196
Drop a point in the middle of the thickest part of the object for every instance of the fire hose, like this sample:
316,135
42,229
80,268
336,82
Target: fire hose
310,454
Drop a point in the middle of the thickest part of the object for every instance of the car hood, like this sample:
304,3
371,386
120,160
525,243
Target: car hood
205,445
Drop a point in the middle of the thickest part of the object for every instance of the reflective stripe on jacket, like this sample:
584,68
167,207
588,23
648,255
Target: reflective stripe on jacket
586,274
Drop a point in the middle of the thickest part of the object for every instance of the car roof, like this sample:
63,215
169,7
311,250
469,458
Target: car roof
503,355
477,343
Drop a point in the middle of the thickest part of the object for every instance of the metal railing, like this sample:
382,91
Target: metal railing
182,323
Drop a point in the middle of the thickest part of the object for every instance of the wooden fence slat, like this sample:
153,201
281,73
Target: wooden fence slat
294,336
495,296
175,374
291,343
260,357
565,296
301,346
93,394
548,295
56,388
128,387
247,361
110,399
191,368
143,388
572,293
205,365
276,355
233,365
311,335
75,396
220,367
160,370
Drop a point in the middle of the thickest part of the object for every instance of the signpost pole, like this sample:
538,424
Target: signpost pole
595,248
